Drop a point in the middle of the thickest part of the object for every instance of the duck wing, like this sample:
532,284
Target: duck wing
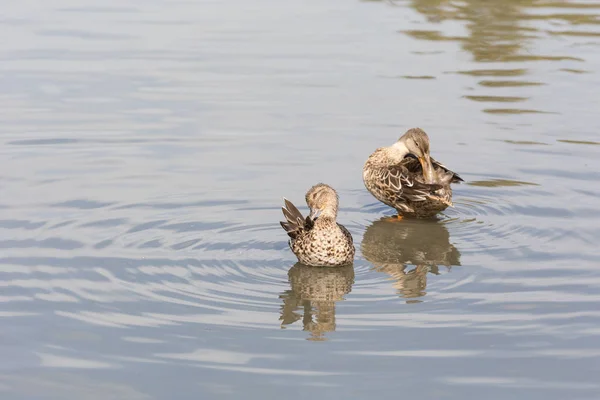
455,178
445,175
400,184
295,222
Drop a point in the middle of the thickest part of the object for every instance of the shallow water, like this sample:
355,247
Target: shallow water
146,149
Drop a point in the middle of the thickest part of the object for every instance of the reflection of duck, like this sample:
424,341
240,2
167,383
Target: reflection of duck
316,289
391,246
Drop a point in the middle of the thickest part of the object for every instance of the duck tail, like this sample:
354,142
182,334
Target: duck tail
295,222
448,178
456,178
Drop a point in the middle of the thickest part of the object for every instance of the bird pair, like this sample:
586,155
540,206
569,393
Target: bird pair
402,176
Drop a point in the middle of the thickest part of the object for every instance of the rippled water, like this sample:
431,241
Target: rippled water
146,147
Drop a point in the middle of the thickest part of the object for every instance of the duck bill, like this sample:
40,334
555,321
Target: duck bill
314,214
427,168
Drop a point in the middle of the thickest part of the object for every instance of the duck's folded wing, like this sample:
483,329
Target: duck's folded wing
399,182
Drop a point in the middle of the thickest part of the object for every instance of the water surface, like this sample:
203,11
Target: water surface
146,148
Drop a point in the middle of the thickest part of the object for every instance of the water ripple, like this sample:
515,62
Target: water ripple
140,245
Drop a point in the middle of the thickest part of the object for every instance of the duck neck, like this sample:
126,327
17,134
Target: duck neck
397,151
329,213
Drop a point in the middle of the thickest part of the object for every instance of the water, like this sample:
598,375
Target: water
146,148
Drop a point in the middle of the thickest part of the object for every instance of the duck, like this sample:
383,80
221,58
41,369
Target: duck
318,240
405,177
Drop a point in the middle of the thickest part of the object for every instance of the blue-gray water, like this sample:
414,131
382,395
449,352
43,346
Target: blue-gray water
146,148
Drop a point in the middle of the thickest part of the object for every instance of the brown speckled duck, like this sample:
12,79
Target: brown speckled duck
318,240
405,177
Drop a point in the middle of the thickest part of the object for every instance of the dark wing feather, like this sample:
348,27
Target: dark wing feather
455,177
295,222
292,211
291,217
414,166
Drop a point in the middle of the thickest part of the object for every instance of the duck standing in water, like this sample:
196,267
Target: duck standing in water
318,240
405,177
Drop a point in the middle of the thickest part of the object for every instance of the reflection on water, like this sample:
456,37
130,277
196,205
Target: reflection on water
312,297
498,30
391,246
409,283
500,183
505,33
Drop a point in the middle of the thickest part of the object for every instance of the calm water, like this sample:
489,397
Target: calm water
146,147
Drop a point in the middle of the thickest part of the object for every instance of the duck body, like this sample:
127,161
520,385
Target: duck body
318,240
405,177
325,244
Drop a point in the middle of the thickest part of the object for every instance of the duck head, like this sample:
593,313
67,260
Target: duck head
322,200
416,142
